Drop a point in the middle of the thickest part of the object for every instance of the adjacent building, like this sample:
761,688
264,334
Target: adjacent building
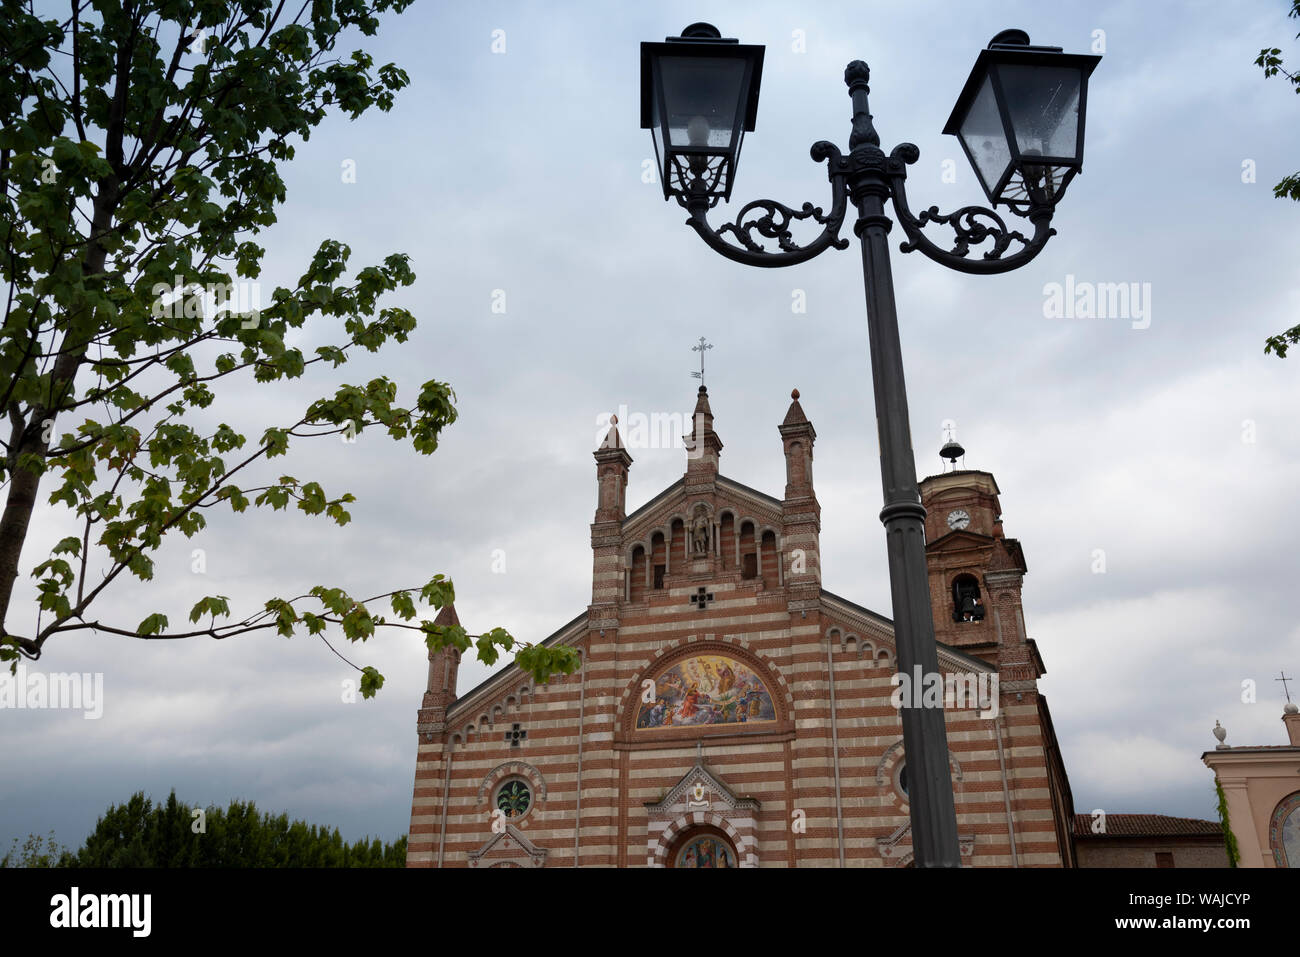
1261,785
1148,840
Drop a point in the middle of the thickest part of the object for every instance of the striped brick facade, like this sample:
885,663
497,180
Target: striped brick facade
819,785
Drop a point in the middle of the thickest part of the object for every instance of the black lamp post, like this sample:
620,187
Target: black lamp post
1020,120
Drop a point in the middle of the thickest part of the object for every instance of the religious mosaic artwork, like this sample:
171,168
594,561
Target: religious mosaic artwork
706,689
707,851
1284,833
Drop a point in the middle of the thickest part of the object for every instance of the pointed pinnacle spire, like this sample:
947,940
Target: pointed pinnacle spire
447,616
702,444
795,414
702,403
613,439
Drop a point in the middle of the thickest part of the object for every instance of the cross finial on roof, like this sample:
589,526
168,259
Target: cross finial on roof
704,344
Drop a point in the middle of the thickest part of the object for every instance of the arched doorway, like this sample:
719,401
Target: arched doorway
703,846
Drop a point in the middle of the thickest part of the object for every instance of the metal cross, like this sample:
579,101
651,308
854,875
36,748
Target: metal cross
515,735
700,349
700,599
1284,679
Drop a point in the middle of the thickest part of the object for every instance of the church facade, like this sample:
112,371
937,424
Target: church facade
729,711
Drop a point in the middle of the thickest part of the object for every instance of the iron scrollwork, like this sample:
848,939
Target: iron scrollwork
971,225
775,222
775,225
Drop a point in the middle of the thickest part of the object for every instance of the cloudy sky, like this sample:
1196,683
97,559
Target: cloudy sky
517,176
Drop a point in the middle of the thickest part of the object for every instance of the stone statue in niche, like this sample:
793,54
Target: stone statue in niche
700,533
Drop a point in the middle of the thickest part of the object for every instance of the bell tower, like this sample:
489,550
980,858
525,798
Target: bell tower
976,572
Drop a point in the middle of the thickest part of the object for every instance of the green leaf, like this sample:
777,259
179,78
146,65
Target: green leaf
212,605
153,625
438,592
438,637
403,606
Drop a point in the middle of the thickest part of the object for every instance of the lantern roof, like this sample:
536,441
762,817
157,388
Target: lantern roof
1012,47
702,40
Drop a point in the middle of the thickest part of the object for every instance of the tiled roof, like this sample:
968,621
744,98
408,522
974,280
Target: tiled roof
1147,825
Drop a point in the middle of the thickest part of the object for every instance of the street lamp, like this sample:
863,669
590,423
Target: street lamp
1020,120
699,98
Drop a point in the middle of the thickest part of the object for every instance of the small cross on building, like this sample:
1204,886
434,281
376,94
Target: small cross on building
701,598
515,735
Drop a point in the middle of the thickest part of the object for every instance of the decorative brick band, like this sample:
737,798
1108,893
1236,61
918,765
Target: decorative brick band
502,708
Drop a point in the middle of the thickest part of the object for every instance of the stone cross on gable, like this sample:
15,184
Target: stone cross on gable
701,598
515,735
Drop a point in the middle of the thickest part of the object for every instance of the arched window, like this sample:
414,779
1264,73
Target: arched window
658,558
748,551
966,602
727,541
636,585
768,560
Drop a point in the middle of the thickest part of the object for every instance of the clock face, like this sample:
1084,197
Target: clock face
958,518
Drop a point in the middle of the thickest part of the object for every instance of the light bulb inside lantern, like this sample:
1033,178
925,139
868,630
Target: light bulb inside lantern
1037,178
697,131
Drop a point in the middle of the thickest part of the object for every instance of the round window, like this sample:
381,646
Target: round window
514,798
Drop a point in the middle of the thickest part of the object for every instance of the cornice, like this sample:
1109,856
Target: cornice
504,681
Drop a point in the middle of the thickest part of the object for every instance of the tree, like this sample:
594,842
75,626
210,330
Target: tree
36,851
139,833
140,153
1270,60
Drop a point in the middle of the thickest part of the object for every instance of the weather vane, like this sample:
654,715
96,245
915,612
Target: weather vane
700,349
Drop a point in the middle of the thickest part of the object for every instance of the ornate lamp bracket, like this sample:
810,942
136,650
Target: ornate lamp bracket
867,170
972,226
771,220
